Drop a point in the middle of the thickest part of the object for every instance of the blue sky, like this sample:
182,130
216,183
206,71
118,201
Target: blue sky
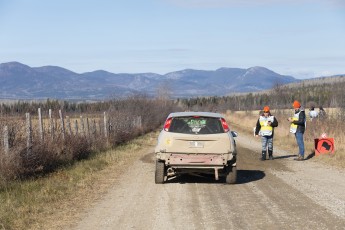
301,38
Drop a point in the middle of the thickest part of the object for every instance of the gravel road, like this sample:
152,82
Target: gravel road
278,194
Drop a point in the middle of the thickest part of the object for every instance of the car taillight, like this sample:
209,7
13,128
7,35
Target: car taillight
225,125
167,124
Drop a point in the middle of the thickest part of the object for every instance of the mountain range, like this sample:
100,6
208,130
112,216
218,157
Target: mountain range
19,81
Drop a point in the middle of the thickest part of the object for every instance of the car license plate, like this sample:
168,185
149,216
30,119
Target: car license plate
196,144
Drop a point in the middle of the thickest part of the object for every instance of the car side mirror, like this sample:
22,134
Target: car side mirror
234,133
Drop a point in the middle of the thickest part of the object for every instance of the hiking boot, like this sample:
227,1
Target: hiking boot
299,158
270,154
263,155
271,157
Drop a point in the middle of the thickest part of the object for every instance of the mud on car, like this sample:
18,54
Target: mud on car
196,143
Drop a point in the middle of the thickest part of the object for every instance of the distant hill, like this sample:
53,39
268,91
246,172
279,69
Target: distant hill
19,81
319,81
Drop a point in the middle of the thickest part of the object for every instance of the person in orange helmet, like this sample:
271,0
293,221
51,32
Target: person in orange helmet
265,128
297,127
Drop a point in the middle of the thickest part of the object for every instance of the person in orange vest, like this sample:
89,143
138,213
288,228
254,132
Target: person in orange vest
265,128
297,127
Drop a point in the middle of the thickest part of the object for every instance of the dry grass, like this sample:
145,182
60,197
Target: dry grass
246,121
58,197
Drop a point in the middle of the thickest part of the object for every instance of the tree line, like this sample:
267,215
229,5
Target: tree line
329,95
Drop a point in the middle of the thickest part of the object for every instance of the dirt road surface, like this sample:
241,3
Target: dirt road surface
278,194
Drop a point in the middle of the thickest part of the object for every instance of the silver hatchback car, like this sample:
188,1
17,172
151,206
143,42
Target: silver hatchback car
196,143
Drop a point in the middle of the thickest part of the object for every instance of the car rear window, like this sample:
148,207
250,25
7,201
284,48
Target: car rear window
196,125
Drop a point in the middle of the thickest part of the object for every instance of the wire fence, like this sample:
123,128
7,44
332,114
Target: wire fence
41,129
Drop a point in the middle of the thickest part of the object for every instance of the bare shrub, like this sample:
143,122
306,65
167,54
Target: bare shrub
77,148
42,157
10,167
61,146
123,114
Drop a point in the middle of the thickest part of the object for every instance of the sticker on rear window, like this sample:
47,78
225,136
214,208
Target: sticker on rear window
196,123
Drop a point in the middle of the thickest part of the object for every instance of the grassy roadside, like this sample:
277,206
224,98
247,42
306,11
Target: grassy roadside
54,200
245,122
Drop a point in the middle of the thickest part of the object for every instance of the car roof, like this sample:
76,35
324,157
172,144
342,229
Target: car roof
201,114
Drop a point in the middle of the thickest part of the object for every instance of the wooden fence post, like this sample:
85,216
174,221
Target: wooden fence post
82,125
62,125
105,125
76,127
100,127
87,127
6,143
28,133
94,128
51,124
137,122
68,124
40,124
140,124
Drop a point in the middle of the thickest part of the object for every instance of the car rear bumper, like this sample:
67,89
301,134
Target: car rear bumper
194,160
